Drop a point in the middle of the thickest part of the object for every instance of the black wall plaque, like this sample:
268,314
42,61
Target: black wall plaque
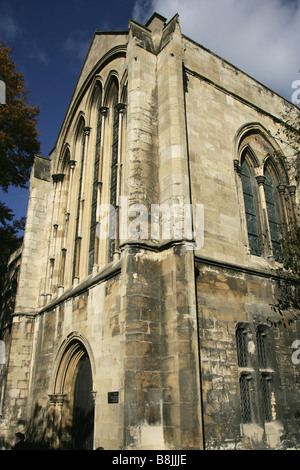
113,397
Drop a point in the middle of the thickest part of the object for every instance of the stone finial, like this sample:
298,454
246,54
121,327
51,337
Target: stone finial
156,23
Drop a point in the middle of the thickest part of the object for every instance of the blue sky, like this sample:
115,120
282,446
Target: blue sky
50,40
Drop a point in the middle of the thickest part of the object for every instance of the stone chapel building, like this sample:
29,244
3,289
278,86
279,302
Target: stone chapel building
142,317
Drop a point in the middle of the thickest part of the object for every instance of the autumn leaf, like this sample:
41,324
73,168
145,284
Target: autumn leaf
18,144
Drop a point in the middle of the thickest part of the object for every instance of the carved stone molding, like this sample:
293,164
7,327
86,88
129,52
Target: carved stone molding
87,130
104,110
237,166
260,179
292,190
281,189
57,399
58,177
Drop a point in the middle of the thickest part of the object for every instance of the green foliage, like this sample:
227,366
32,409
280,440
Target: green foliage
9,229
289,135
288,272
288,278
290,252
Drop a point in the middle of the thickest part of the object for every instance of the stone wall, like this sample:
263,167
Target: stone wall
228,297
92,317
158,322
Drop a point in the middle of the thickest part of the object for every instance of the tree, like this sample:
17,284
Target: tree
288,273
18,145
289,135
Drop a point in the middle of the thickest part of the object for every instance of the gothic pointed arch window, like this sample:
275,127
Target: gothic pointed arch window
113,103
80,151
65,213
273,210
250,203
267,199
98,111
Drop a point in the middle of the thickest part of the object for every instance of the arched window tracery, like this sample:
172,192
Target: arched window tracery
265,199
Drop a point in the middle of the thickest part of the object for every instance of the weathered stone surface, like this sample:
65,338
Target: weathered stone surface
155,315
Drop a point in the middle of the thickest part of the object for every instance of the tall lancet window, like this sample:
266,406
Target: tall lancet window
65,213
77,243
272,209
93,226
114,174
248,182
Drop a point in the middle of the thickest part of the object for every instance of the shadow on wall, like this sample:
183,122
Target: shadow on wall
41,435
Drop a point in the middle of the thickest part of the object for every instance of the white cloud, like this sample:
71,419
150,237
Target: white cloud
10,30
9,27
36,53
77,48
142,10
261,37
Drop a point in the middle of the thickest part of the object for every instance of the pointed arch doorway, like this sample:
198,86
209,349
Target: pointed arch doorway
83,407
73,398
